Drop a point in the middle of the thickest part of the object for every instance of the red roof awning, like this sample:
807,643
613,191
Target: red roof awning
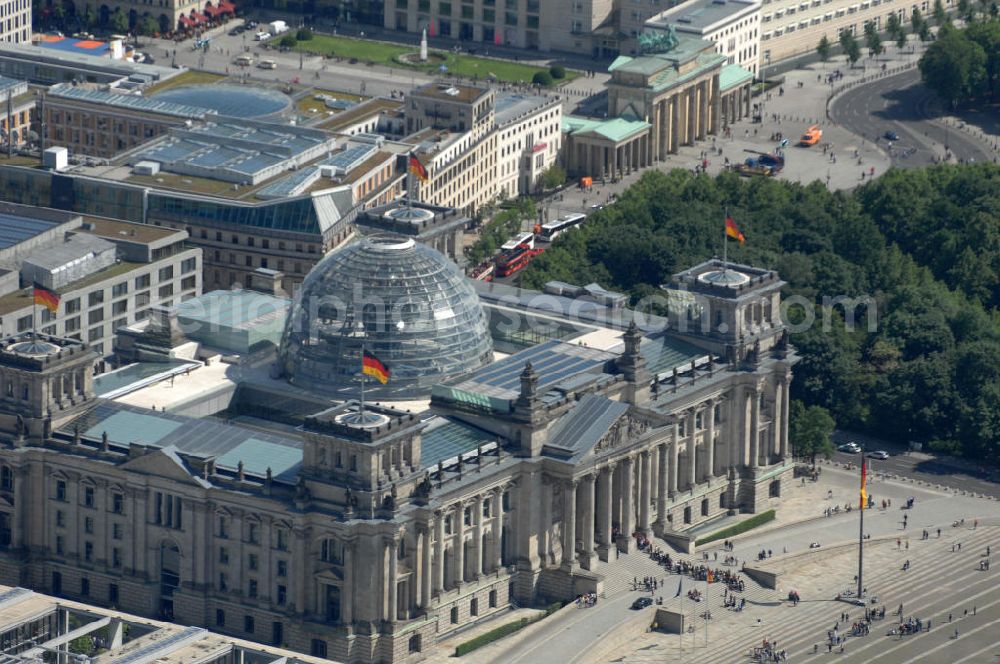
185,21
198,16
227,7
212,11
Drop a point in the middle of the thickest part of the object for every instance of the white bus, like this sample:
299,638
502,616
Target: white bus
553,229
519,239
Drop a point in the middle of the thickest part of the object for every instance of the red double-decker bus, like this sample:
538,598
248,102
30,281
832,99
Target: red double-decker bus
516,259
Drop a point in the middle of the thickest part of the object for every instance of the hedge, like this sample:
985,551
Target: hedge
741,527
489,637
503,630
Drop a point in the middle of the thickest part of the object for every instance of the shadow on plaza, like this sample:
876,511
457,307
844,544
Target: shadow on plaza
915,103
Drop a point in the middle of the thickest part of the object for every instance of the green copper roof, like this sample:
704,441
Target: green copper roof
615,129
733,75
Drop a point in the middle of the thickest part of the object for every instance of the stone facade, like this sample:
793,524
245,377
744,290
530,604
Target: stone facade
367,554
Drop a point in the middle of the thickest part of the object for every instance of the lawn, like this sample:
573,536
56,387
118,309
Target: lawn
309,105
385,54
190,77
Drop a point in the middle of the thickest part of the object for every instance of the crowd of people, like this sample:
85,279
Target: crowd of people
768,652
586,600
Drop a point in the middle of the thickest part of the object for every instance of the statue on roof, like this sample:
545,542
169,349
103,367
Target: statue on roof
658,41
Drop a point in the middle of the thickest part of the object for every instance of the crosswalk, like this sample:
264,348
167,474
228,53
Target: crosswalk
939,582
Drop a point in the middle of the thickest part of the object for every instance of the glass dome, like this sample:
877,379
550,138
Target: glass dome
405,302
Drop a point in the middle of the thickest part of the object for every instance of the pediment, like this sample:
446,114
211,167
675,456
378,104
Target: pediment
164,463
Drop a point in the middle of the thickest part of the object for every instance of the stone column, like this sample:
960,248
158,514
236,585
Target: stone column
692,450
569,525
393,612
710,441
497,517
604,507
477,569
589,559
755,428
786,449
776,422
644,482
439,554
661,492
459,544
628,489
426,584
675,455
347,589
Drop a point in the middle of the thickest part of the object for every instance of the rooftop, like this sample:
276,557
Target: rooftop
614,129
701,15
62,66
15,229
239,309
113,229
125,100
448,92
24,298
511,106
733,75
365,109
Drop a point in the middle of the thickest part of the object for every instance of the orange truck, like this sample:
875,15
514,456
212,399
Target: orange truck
811,137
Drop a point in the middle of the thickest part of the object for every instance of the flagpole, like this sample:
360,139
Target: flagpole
725,243
861,533
409,181
361,406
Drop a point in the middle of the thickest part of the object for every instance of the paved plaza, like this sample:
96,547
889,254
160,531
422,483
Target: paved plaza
938,582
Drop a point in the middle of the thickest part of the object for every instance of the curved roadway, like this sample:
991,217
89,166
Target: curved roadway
902,104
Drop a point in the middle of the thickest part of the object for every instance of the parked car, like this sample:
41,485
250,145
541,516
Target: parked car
850,447
878,454
891,136
262,36
238,30
642,603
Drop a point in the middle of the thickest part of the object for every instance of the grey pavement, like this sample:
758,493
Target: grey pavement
938,581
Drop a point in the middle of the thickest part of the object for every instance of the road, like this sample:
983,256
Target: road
902,104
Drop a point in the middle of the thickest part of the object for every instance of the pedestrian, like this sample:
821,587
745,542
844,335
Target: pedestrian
928,624
949,617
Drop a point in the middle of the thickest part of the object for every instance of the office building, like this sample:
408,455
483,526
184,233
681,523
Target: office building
732,25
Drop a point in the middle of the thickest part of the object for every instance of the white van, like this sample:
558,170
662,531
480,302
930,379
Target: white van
267,64
261,36
244,60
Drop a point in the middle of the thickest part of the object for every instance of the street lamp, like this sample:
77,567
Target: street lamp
763,82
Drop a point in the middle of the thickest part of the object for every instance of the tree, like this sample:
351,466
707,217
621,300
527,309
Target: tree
954,68
557,72
554,177
288,41
823,49
810,430
304,34
965,10
916,19
89,17
149,25
925,32
542,79
851,48
900,39
119,21
893,25
874,43
940,16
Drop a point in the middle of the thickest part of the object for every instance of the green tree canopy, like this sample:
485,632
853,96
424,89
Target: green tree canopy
823,49
954,68
810,430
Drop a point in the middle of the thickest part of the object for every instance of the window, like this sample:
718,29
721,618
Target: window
282,594
166,291
318,648
88,496
248,624
95,334
142,281
252,589
474,607
72,324
454,615
493,599
252,561
189,265
95,298
119,289
166,273
282,568
88,525
6,479
73,306
116,557
253,533
223,555
95,316
467,516
281,539
169,510
85,587
88,552
223,527
118,308
331,551
60,545
220,618
113,594
61,491
117,503
117,531
223,582
60,519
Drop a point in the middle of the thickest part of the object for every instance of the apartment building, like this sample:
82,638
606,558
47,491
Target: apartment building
790,28
107,273
15,21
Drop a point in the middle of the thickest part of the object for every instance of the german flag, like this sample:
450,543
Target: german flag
733,231
418,169
864,484
372,366
47,298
